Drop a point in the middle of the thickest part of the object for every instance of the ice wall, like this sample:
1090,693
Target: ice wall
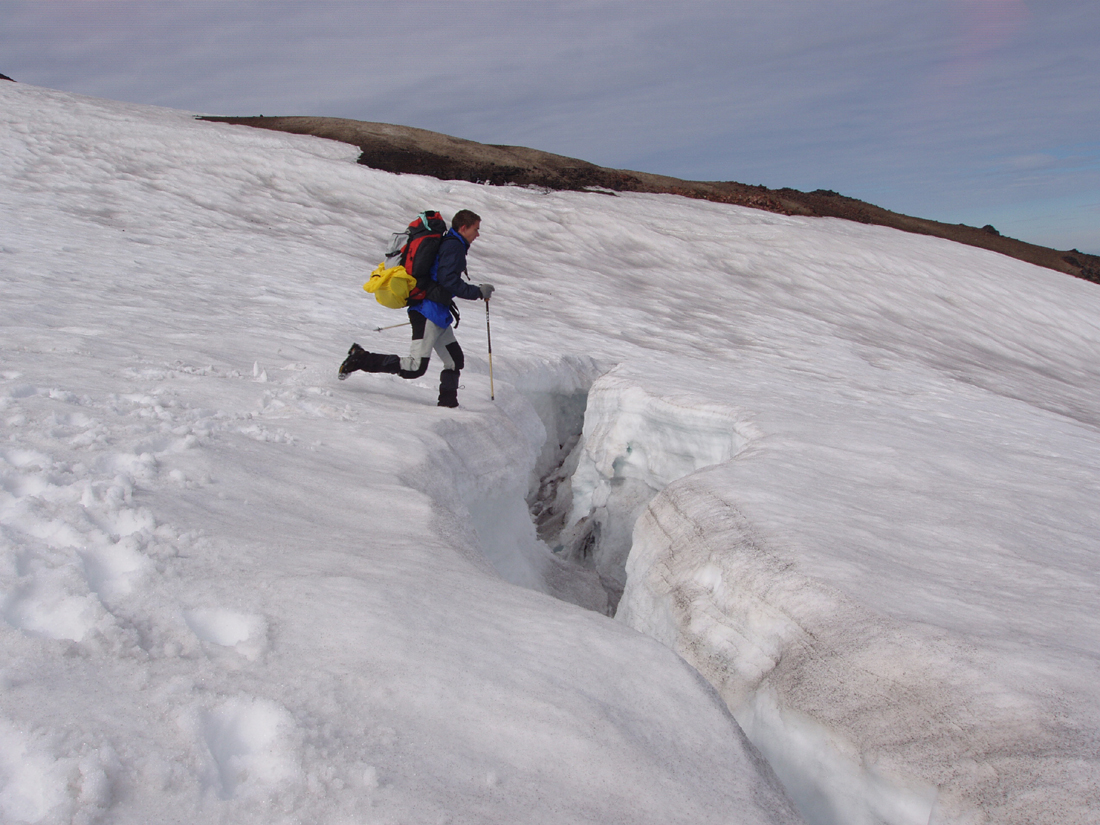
634,444
817,683
866,719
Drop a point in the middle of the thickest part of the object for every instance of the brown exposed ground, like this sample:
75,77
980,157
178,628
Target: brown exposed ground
404,149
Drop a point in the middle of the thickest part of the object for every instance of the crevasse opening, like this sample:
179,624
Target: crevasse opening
632,446
516,530
602,466
603,449
516,508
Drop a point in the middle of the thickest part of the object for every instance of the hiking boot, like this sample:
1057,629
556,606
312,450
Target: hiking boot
352,363
448,388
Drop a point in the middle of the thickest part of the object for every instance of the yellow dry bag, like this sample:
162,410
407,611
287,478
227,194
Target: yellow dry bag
390,285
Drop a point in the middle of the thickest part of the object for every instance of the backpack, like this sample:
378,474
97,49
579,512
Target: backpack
406,274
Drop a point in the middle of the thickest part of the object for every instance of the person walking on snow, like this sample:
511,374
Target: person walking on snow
431,318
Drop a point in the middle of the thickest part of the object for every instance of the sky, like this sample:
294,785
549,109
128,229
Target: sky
963,111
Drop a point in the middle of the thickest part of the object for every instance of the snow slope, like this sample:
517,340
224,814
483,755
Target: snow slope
236,590
848,474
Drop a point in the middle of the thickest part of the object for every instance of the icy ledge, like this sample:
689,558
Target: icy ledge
819,685
633,445
865,719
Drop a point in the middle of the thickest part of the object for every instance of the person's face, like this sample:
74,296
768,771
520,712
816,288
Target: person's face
470,232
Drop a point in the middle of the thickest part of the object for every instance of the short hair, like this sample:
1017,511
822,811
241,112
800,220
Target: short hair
464,218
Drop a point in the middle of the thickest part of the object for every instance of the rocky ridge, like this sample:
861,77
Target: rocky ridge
404,149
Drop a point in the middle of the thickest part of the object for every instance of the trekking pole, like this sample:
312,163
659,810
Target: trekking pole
392,326
489,336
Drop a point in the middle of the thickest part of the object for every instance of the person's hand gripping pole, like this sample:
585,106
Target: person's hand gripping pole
486,293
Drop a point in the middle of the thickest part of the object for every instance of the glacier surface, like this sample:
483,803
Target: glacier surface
848,475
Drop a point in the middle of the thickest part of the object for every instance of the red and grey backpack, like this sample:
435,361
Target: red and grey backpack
416,249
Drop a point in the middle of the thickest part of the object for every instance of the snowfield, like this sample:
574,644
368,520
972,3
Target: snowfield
771,519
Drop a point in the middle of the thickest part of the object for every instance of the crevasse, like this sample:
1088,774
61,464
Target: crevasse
633,445
617,492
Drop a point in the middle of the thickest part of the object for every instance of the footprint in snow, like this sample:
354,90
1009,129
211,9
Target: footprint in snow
245,633
250,743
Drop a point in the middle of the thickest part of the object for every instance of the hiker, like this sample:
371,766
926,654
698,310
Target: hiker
431,317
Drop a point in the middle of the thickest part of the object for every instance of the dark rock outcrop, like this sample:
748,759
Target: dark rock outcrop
404,149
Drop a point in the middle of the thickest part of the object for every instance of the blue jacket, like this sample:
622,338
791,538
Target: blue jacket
447,271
